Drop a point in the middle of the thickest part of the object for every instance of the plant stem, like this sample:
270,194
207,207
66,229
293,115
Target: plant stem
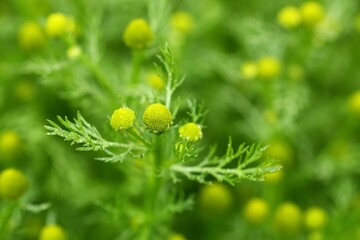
154,187
137,59
9,210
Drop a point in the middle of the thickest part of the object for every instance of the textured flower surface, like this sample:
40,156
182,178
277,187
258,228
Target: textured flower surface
138,34
157,118
122,119
190,132
13,184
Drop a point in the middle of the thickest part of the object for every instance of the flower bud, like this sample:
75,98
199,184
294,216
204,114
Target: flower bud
122,119
13,184
157,118
138,34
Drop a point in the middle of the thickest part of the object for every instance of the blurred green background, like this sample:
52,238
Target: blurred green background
289,81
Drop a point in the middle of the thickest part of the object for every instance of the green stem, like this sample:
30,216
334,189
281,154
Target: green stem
137,59
98,74
9,210
154,187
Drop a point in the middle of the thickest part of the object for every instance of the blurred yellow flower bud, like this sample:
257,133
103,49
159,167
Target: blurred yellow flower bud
288,218
249,70
215,198
182,21
354,103
256,210
274,177
13,184
73,52
58,24
268,67
10,144
31,36
176,236
312,13
138,34
280,150
289,17
315,218
24,90
156,82
52,232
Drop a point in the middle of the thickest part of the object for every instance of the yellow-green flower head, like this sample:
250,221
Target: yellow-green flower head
256,210
13,184
155,81
268,67
52,232
31,36
10,144
138,34
157,118
122,119
274,177
215,198
73,52
289,17
249,70
24,90
176,236
354,103
288,218
280,150
317,235
295,72
315,218
182,21
312,13
190,132
58,24
357,23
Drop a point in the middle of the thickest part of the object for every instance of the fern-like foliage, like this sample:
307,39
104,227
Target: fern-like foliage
233,167
81,132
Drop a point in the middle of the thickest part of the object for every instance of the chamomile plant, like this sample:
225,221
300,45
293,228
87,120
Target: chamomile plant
166,146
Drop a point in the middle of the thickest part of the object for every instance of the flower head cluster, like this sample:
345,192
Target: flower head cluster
13,184
122,119
138,34
157,118
310,13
